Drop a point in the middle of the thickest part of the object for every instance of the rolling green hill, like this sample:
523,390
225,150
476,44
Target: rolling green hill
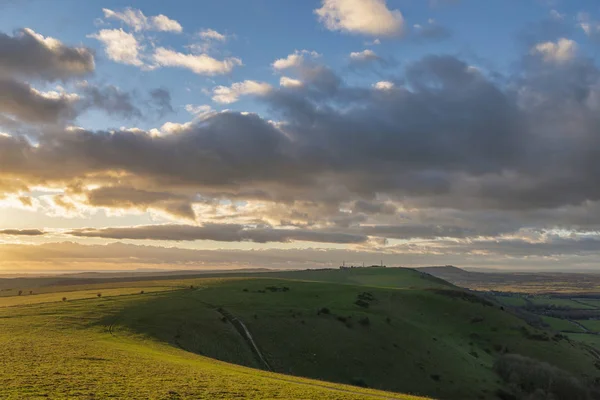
396,330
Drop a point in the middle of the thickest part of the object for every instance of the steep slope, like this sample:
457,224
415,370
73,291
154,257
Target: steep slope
436,341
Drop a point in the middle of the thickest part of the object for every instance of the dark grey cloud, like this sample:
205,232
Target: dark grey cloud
420,231
29,55
128,197
110,99
445,137
160,101
22,232
219,232
21,101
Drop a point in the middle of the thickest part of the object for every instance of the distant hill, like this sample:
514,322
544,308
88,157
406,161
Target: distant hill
511,281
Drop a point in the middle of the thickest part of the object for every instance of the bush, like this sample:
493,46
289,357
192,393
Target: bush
20,292
142,292
361,303
534,379
364,321
324,310
99,295
31,292
64,299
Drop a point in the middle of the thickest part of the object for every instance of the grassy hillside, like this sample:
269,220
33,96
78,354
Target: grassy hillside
391,329
70,350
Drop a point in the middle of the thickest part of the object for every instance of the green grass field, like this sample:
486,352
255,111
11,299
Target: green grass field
560,325
513,301
70,350
410,334
559,302
591,324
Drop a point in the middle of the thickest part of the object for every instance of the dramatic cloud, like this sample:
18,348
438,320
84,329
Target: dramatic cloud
139,22
227,95
30,55
202,64
220,232
367,17
120,46
127,197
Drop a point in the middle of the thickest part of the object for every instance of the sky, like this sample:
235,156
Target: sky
299,134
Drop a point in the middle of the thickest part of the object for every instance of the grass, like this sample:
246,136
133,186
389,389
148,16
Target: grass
423,336
513,301
560,302
560,325
591,324
63,350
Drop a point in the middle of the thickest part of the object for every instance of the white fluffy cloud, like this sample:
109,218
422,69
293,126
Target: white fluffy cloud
120,46
367,17
296,59
289,82
211,34
383,85
365,55
139,22
227,95
201,64
561,51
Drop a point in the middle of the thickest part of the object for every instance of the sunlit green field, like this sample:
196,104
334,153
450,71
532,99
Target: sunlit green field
410,334
69,350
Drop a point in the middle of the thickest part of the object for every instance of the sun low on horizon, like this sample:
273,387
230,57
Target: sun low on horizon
152,135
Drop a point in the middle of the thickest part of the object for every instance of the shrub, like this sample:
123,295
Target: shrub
528,378
244,290
364,321
142,292
64,299
99,295
361,303
20,292
435,377
31,292
324,310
